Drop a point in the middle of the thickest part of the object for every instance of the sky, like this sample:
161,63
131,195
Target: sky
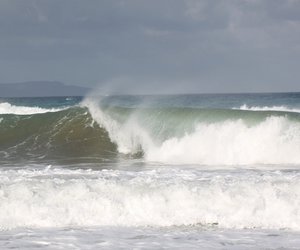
157,46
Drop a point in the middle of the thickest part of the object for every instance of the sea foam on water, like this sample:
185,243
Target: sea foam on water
165,197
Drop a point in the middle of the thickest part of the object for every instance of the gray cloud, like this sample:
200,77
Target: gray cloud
153,46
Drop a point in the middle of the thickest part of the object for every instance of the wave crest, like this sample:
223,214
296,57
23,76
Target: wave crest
7,108
206,137
267,108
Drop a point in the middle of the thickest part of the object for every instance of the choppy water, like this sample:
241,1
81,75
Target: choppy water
185,171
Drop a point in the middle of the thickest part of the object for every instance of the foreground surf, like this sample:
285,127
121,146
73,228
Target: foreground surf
165,197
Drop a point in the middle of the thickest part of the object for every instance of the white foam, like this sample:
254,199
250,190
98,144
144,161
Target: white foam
7,108
65,198
128,136
267,108
275,140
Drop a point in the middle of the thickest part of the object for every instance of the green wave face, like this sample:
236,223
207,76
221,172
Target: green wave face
67,134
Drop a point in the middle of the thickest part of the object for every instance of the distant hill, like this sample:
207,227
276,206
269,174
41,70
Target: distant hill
40,89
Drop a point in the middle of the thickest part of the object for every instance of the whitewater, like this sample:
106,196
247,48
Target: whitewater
147,172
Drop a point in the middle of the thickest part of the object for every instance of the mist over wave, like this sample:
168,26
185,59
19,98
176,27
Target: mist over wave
206,137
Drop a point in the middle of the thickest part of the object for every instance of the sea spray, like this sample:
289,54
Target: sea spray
126,132
238,138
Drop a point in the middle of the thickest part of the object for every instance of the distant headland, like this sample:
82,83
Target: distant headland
41,89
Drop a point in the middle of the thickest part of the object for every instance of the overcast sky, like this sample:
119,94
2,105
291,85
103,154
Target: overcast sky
153,46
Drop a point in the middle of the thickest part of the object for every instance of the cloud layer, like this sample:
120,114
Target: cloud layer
154,46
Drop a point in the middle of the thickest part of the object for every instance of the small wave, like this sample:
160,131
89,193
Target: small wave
7,108
267,108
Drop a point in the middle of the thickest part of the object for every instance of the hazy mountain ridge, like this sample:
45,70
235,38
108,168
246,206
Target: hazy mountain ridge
40,89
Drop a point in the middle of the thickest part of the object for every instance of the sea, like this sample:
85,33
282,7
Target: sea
198,171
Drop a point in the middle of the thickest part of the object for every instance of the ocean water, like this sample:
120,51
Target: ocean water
211,171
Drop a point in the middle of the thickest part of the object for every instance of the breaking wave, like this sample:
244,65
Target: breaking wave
68,198
165,135
203,136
